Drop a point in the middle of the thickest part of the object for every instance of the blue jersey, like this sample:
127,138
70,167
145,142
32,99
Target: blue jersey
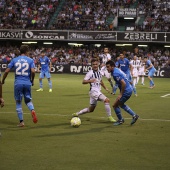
22,66
118,75
44,62
148,63
124,65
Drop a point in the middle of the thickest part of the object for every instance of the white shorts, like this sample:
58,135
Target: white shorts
141,73
135,73
105,73
96,96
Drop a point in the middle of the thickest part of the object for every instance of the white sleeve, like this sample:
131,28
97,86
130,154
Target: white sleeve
88,76
109,57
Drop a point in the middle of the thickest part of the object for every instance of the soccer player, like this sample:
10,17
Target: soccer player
135,64
94,78
141,71
45,64
24,78
125,93
127,68
106,57
151,70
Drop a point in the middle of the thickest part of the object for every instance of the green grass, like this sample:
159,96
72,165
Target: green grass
96,145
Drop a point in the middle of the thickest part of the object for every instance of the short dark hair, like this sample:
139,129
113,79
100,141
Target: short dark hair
24,49
111,63
94,60
145,56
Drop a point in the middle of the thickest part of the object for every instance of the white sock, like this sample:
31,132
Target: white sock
108,109
85,110
142,80
134,82
137,79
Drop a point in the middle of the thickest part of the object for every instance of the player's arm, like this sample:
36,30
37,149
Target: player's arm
103,85
131,68
89,81
38,68
5,75
32,75
123,85
50,65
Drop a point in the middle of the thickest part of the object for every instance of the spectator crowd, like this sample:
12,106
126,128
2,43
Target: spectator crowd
82,15
83,55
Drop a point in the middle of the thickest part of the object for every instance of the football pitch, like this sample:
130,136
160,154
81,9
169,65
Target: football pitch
52,144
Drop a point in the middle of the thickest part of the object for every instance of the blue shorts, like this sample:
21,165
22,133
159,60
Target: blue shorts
125,97
22,90
45,74
151,72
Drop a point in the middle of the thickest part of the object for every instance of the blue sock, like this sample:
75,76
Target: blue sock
134,89
41,85
30,106
115,88
19,111
128,110
50,84
152,82
118,113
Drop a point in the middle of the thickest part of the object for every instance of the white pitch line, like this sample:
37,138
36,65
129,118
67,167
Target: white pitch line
161,120
166,95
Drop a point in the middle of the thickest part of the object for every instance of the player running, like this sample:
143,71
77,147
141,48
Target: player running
24,78
125,93
141,71
44,63
94,78
151,70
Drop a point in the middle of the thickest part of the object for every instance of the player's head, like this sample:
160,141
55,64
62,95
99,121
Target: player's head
145,58
42,53
135,57
106,49
24,49
110,65
95,64
121,55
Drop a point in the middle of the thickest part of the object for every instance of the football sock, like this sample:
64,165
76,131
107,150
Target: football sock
41,84
152,83
19,111
108,109
85,110
137,80
128,110
134,89
30,106
134,81
50,84
118,113
142,80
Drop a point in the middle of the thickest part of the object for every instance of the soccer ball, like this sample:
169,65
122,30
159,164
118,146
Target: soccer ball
75,122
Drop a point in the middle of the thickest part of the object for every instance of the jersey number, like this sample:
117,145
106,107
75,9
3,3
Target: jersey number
22,69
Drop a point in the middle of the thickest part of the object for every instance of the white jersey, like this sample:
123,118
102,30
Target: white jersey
94,75
141,66
105,58
135,64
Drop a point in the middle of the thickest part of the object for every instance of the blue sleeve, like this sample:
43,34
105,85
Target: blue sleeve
11,64
149,62
118,78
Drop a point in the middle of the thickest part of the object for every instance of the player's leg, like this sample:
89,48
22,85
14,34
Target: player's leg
41,76
18,98
118,113
115,88
126,108
28,102
142,80
150,76
48,76
129,77
106,101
